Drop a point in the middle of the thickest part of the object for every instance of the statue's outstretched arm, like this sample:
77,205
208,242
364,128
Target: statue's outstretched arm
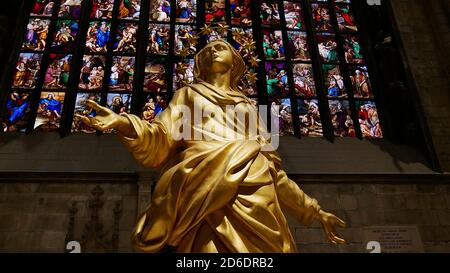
150,143
306,209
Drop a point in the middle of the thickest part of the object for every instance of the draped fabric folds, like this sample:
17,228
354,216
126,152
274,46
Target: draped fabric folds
216,195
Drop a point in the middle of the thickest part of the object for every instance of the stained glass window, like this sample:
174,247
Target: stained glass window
305,60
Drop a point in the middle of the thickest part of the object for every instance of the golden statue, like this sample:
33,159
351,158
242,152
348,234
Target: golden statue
217,193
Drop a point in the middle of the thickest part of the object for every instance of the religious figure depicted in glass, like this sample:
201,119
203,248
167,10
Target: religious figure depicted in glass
221,190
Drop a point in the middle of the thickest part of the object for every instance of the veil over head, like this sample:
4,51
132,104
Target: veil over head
237,70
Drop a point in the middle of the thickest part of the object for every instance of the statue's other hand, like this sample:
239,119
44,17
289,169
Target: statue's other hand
104,120
329,222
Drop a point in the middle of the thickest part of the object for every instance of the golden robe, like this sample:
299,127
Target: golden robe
215,195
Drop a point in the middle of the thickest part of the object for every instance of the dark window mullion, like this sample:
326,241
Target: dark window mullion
261,83
289,56
324,110
75,70
200,22
228,19
141,52
344,68
36,93
172,60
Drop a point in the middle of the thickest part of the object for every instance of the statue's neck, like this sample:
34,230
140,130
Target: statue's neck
220,80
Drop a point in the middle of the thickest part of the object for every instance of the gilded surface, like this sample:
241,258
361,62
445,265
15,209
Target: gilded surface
220,193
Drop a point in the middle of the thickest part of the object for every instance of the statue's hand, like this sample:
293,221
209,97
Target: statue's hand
105,119
329,222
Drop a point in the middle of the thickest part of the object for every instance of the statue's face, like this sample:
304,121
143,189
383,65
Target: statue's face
218,57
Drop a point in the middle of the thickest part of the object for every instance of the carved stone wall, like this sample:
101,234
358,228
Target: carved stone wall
385,201
43,216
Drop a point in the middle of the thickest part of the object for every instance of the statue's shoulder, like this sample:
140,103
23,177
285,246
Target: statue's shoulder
183,94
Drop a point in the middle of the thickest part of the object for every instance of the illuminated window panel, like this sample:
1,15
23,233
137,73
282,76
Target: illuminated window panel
82,109
298,45
119,102
17,113
215,11
158,35
334,81
160,10
65,35
368,119
304,80
58,71
129,9
49,111
216,35
269,13
186,11
126,39
122,73
155,76
242,41
341,118
327,46
273,44
248,82
98,36
281,116
240,12
353,50
36,34
277,79
102,9
43,8
360,82
153,105
321,17
294,16
309,116
92,73
345,19
183,40
183,73
113,40
70,9
27,69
